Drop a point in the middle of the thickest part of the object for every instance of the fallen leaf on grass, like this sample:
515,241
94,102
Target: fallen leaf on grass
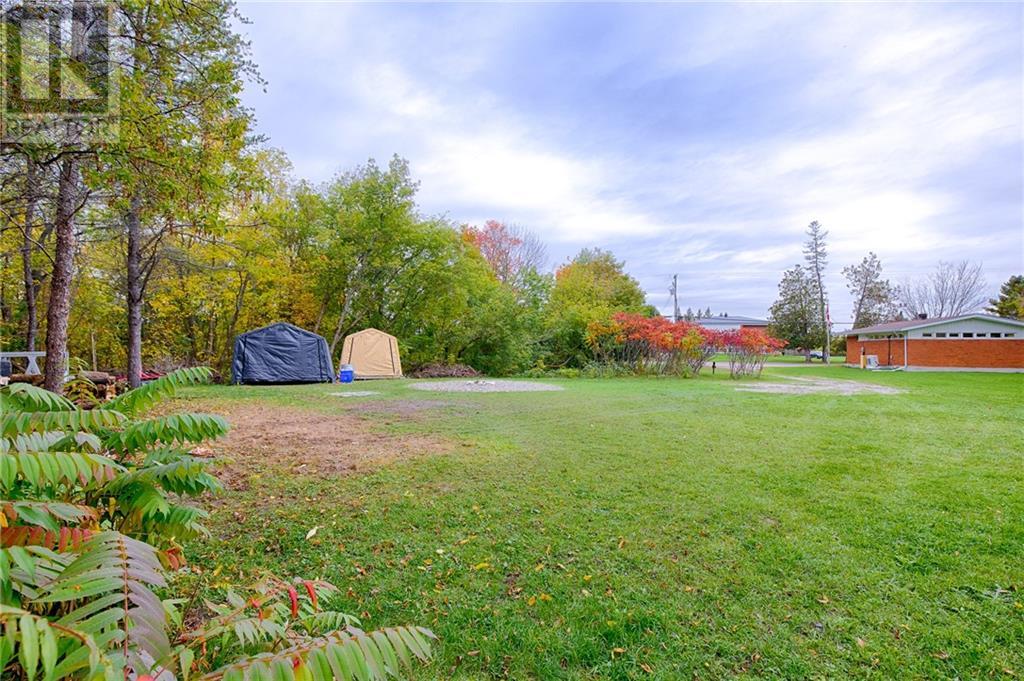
618,651
824,600
481,566
312,532
941,655
861,642
646,667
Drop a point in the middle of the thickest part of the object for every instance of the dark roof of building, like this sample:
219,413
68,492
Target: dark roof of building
909,324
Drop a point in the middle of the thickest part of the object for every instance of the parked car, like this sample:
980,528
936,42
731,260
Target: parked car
817,354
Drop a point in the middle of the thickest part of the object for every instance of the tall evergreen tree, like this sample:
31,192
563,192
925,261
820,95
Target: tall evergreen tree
1010,302
794,315
816,257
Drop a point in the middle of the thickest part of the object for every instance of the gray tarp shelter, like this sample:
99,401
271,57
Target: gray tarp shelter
281,353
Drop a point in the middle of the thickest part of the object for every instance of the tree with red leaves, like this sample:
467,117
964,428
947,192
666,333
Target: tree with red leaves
512,251
747,349
653,345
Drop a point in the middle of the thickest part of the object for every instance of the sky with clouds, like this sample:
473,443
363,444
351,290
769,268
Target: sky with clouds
697,139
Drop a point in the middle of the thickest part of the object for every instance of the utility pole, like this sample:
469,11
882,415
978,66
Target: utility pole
675,297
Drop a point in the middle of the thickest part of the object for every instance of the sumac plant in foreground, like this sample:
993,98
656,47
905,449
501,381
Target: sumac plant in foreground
92,510
748,349
653,345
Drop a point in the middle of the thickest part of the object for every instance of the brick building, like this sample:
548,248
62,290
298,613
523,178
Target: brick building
970,341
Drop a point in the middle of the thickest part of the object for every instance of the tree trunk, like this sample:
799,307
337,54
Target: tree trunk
68,188
133,228
69,193
243,287
5,308
211,338
346,308
27,247
321,313
826,352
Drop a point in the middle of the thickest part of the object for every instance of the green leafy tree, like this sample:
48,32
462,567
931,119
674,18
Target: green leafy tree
874,298
590,288
794,315
374,238
183,131
1010,302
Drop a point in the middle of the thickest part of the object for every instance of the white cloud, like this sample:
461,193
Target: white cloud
914,95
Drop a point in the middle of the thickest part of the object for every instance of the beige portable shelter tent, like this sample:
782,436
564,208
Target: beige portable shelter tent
373,354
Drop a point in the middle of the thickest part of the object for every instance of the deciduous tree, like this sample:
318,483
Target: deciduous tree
874,298
512,251
183,131
591,287
953,288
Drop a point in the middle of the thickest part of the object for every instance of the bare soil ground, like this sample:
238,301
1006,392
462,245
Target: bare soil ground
485,386
308,443
800,385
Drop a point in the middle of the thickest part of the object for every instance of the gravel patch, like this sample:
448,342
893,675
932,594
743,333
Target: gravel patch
809,386
485,386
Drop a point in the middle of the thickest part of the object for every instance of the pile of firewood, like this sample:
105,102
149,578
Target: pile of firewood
444,371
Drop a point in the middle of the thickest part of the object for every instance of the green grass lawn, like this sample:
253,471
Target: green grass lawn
669,528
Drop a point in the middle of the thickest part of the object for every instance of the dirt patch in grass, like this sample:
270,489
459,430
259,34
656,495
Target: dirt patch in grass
308,443
808,386
485,386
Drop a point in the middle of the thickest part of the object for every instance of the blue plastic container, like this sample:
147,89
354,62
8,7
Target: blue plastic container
346,374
